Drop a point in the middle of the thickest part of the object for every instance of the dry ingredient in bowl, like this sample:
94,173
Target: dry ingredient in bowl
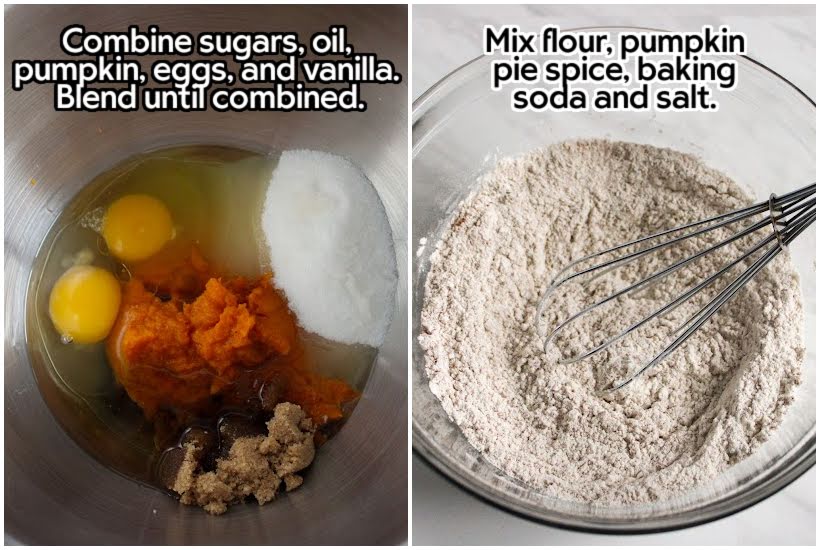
330,247
256,465
708,406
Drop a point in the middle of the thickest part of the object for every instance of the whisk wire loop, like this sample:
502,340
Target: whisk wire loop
787,215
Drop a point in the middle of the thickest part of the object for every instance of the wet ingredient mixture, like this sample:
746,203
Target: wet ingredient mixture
160,319
706,407
194,337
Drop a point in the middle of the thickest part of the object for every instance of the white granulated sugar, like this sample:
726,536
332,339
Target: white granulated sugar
330,247
708,406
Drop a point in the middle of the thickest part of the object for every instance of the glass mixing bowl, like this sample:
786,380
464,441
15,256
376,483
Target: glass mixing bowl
763,136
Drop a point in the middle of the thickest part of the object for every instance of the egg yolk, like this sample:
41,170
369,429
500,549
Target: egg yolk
83,304
136,227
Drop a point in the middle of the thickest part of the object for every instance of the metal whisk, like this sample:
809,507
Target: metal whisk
780,220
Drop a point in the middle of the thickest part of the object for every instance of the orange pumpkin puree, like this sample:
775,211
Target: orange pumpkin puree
185,339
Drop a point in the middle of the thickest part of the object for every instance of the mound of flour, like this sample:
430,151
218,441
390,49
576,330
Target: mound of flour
709,405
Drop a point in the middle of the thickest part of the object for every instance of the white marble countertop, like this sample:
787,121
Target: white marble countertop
445,37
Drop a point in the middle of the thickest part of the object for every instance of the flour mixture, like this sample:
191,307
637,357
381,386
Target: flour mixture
706,407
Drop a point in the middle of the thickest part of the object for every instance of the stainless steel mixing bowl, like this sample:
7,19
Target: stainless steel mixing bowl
763,137
56,493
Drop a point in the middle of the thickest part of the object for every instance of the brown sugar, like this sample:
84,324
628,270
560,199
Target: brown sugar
256,466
